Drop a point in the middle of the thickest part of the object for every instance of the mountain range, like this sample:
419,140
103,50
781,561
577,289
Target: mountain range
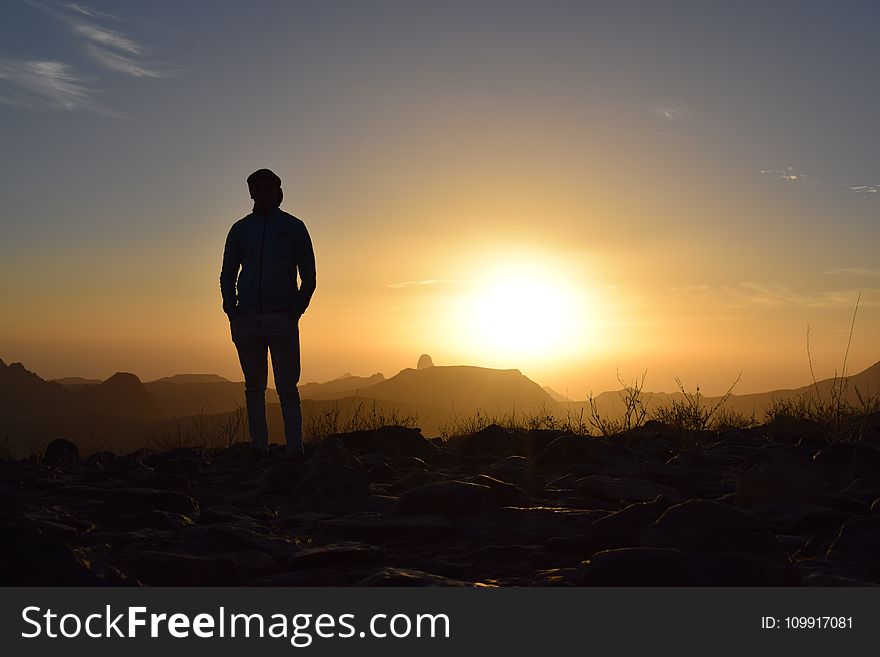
124,412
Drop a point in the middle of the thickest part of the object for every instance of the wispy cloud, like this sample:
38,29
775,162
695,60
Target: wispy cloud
854,271
779,294
788,174
54,83
104,36
109,47
864,190
429,281
671,111
45,84
91,13
121,63
747,294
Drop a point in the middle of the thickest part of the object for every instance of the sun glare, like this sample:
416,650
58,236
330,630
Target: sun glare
516,313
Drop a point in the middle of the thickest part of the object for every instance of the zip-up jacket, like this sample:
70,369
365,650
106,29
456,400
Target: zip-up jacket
270,248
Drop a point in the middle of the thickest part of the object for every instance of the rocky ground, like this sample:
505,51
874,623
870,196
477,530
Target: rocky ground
778,505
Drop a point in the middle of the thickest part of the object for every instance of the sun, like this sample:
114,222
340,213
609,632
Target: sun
521,312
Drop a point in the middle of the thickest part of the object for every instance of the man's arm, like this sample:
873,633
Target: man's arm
305,258
229,271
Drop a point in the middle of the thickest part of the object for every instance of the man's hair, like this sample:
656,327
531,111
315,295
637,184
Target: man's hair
267,174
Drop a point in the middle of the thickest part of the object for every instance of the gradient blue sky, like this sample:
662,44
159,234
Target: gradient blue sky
701,180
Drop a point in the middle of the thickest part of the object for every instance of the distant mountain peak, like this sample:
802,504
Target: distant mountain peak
425,361
192,378
123,379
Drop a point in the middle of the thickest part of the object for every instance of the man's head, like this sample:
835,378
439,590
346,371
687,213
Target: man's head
265,189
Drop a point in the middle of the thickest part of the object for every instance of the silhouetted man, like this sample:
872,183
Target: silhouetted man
264,305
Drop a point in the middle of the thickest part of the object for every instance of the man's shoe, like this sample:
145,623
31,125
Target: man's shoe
295,454
259,452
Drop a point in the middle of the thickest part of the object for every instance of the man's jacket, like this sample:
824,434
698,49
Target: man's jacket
270,248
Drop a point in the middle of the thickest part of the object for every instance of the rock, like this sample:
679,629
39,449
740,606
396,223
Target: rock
374,528
639,566
333,450
131,500
409,463
865,488
283,476
223,513
425,362
492,440
858,545
30,557
610,459
525,526
738,569
505,494
519,471
624,528
390,576
495,441
797,519
794,430
130,464
378,469
102,458
704,526
252,560
172,569
836,456
379,504
413,479
61,451
617,489
446,498
153,459
389,441
229,537
335,554
163,481
328,487
161,520
777,482
186,467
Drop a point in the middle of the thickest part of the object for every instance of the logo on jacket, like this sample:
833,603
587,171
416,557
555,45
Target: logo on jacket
281,234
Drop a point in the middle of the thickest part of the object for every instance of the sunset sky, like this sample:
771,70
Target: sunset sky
567,188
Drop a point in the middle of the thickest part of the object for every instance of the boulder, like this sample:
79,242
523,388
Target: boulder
519,471
131,500
766,482
618,489
376,528
31,557
858,545
172,569
283,476
332,449
624,528
61,451
446,498
389,441
639,566
328,487
705,526
390,576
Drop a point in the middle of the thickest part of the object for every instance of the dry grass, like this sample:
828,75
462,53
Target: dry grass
357,415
